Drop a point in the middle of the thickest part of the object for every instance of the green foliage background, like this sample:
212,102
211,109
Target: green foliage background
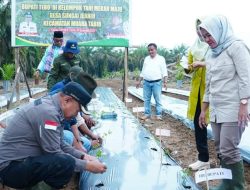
98,61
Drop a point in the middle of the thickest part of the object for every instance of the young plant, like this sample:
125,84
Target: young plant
99,153
186,172
8,71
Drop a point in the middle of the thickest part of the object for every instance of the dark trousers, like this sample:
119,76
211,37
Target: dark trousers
200,135
54,169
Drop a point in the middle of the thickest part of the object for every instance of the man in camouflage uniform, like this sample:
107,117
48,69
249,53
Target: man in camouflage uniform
64,62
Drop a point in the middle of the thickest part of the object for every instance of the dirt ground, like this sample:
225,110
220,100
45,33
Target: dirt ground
181,143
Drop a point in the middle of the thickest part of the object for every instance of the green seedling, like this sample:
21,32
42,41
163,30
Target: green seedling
106,134
99,153
167,151
186,172
96,146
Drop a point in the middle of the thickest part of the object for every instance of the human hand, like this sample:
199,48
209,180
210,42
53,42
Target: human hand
202,120
243,116
165,85
138,84
95,144
89,121
89,157
198,64
96,166
37,74
2,125
97,137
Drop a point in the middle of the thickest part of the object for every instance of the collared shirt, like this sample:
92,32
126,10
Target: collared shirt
154,68
227,82
50,54
36,130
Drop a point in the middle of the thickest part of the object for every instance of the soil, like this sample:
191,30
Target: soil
181,143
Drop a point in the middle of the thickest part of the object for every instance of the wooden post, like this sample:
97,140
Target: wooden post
17,69
26,80
16,81
125,80
14,87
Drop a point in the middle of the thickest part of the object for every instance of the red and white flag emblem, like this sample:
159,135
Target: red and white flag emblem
52,125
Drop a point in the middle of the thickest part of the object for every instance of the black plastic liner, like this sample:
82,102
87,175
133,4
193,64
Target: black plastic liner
133,156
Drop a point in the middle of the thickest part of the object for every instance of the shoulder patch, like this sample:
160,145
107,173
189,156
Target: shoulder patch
38,102
52,125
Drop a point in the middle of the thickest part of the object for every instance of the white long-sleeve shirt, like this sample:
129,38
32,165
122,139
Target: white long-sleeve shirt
154,68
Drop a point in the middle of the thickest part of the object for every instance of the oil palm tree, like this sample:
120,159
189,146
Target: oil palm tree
88,64
6,53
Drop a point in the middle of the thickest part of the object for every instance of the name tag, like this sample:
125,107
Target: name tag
211,174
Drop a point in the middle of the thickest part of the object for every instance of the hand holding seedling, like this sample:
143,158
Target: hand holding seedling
95,144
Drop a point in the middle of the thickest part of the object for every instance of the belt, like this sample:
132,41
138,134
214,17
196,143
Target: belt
150,81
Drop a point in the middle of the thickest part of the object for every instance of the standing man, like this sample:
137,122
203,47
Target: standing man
50,54
64,62
154,72
32,147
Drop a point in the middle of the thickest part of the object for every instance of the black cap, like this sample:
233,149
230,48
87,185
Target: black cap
78,92
58,34
86,81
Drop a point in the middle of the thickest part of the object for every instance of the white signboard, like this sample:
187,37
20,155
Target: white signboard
128,100
162,132
138,109
211,174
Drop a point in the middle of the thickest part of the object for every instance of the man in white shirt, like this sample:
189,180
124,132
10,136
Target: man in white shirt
27,28
153,71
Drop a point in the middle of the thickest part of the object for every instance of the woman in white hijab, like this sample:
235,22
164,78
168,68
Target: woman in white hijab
227,93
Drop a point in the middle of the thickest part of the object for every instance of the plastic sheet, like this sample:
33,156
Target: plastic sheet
177,91
178,109
134,158
23,94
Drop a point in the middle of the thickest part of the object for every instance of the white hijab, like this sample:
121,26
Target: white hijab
199,48
221,30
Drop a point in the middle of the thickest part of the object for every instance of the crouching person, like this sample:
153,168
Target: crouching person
77,139
32,147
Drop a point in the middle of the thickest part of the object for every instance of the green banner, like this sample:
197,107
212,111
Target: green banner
90,22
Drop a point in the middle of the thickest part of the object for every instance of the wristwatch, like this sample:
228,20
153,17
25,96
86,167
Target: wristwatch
244,101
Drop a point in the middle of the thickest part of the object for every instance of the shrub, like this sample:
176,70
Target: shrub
8,71
179,75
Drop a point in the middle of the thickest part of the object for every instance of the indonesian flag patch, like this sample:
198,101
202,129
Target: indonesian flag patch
52,125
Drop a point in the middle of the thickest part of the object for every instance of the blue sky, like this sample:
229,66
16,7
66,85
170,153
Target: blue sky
171,22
